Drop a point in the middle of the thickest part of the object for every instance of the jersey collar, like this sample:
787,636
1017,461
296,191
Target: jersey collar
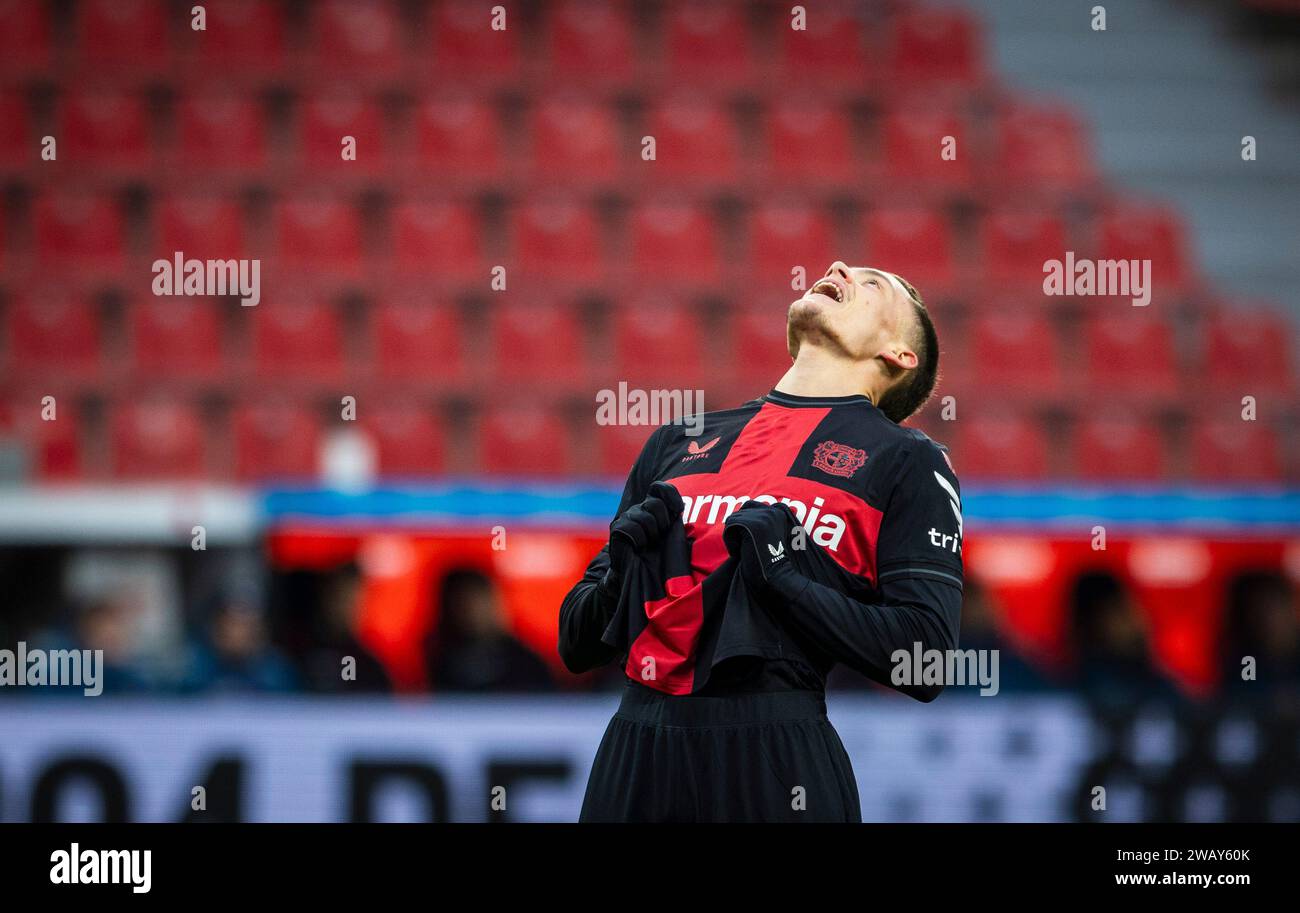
789,399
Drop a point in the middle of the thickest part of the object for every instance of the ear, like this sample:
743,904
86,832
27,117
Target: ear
899,357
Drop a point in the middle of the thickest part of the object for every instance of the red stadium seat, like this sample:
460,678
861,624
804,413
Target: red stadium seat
802,56
999,448
812,143
575,141
1119,448
359,36
458,137
936,46
537,342
25,35
85,232
590,40
467,47
524,441
785,236
319,236
657,342
440,238
326,120
158,439
297,338
53,334
1042,146
1249,350
618,447
275,441
708,43
558,240
914,243
1235,451
52,447
408,440
914,145
1017,243
414,339
1015,352
244,34
758,348
221,133
101,130
1131,352
675,242
131,34
695,141
205,228
17,146
1146,232
174,337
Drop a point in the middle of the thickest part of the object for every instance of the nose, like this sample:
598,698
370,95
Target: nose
839,269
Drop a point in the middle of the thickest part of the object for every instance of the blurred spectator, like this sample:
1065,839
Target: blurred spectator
1260,622
235,654
980,631
472,650
104,623
340,609
1113,663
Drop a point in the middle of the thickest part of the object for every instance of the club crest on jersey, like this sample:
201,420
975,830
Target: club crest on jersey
838,459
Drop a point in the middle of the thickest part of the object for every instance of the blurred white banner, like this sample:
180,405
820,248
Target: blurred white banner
959,759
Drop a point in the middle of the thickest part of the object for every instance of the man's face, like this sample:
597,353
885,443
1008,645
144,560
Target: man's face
857,311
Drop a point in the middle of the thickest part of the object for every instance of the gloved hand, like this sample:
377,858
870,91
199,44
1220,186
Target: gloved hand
640,527
761,537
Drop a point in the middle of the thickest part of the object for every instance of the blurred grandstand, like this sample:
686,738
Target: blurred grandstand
501,248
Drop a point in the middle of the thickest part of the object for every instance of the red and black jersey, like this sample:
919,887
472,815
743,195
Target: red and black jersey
881,503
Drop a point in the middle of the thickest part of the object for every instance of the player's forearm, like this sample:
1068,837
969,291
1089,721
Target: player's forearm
865,636
584,614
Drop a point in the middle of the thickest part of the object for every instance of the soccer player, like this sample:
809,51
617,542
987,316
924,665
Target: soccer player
800,530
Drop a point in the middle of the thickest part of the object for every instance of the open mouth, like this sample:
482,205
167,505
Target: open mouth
830,288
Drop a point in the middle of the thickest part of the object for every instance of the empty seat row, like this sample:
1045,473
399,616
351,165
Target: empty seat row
577,41
170,439
283,439
1129,352
562,239
309,342
1014,448
565,138
650,335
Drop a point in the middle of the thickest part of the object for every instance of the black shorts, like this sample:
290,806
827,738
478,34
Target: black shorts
770,756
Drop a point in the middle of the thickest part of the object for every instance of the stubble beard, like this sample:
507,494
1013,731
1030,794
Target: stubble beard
807,324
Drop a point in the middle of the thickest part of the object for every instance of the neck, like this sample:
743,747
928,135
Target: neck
817,372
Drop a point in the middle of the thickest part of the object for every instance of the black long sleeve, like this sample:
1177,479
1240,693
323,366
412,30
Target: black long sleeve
913,610
584,614
586,609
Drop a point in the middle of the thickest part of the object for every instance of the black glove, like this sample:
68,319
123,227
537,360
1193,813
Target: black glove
640,527
761,537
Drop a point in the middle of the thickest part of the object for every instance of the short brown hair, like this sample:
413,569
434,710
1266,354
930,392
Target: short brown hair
907,396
